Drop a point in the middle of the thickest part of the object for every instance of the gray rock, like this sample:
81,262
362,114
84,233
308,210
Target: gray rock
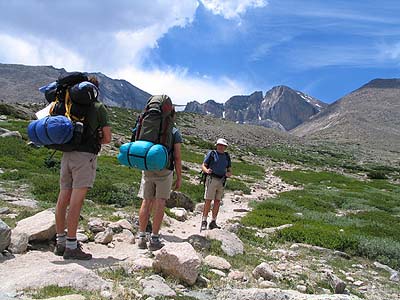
217,262
218,272
11,134
179,213
96,225
275,294
179,260
5,236
81,237
199,242
264,271
237,275
126,236
155,286
39,227
231,244
4,210
104,237
178,199
19,242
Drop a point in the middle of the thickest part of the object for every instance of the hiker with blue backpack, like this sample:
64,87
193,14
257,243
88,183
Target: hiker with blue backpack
155,148
77,125
217,168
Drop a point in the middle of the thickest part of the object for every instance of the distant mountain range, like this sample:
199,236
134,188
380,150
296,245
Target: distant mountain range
281,108
368,116
20,83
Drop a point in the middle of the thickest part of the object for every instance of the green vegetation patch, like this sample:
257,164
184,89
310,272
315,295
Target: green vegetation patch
336,212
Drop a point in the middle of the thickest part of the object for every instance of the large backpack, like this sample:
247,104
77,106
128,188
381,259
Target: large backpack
72,96
156,122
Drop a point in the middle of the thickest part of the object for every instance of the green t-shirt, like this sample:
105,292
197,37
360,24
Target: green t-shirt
96,118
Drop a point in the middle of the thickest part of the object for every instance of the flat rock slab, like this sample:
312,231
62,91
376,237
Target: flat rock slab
40,269
68,297
276,294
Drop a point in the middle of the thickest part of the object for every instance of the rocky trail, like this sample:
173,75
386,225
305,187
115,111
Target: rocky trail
115,249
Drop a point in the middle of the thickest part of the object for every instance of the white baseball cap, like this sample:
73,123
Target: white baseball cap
222,142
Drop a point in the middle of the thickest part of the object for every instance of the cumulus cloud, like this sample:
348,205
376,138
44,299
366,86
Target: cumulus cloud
180,86
112,37
231,9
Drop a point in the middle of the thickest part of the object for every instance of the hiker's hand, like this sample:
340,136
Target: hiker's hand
209,171
228,174
178,184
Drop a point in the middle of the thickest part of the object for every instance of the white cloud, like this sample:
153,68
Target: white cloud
180,86
391,52
231,9
33,51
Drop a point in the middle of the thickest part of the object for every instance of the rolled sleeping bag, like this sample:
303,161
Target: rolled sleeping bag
143,155
51,130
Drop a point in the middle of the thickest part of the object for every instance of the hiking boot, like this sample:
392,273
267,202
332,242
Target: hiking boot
155,244
76,253
203,225
59,249
142,242
213,225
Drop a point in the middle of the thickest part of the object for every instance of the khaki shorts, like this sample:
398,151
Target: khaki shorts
214,188
78,170
156,184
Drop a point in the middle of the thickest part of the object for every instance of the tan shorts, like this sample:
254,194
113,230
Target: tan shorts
214,188
156,184
78,170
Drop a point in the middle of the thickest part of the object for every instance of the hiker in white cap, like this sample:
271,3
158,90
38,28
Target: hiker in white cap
217,167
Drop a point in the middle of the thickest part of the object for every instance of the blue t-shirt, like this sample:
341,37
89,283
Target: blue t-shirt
218,162
177,139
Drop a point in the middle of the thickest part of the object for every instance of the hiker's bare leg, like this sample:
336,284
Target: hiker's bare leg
215,209
207,206
74,212
144,213
61,209
158,210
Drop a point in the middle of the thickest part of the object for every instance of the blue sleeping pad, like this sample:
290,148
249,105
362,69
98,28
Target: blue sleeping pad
51,130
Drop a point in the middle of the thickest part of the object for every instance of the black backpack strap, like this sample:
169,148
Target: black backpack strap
228,158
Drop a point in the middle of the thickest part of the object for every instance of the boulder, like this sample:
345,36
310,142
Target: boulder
155,286
19,242
126,236
39,227
264,271
276,294
178,199
179,260
179,213
104,237
199,242
231,244
5,236
217,262
96,225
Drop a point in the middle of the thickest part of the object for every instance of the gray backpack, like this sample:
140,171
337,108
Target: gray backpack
156,122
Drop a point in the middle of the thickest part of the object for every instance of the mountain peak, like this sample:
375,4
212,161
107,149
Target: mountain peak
380,83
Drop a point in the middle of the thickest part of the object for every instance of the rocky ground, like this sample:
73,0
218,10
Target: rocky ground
288,271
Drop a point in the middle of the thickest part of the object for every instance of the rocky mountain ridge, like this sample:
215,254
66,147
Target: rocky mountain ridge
20,83
368,116
281,108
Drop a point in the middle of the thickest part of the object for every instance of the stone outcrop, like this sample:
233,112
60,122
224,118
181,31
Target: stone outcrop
231,244
178,199
5,236
39,227
179,260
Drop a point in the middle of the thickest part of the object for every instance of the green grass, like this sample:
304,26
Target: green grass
56,291
369,229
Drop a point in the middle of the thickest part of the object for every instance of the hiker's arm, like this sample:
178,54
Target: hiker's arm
105,135
178,165
228,172
205,168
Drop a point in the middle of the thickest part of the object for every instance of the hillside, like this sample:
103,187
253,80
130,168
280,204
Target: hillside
20,83
368,116
293,216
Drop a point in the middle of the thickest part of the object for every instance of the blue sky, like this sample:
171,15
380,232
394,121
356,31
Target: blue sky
210,49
